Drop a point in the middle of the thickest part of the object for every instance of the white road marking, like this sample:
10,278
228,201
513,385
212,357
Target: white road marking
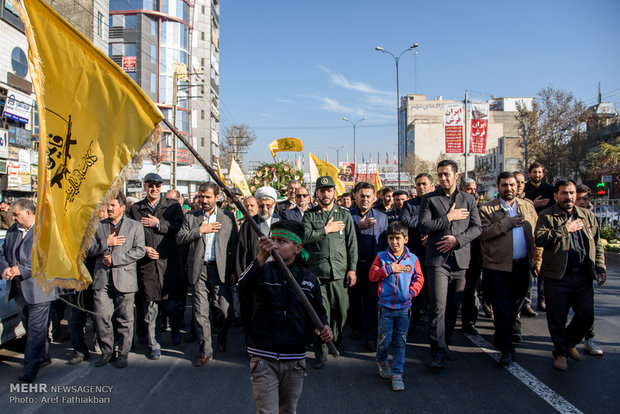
551,397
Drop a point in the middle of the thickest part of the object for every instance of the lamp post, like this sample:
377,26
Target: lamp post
337,153
354,124
396,59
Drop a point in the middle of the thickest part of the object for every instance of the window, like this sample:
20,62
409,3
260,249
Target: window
19,62
153,54
153,27
99,24
202,35
202,62
202,140
202,114
153,83
131,21
202,8
130,49
117,49
118,20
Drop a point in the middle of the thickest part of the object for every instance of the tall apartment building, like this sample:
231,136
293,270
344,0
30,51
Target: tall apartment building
152,39
421,128
18,126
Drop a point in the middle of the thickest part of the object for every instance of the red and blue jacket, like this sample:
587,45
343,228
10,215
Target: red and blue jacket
396,290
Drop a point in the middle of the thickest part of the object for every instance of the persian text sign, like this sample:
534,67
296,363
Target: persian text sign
454,120
17,106
479,127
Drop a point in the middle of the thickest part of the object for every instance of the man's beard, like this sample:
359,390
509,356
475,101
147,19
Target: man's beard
267,217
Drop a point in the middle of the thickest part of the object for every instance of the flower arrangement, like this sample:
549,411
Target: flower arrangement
276,175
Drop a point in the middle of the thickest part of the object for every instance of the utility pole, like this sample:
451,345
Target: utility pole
525,154
465,134
173,160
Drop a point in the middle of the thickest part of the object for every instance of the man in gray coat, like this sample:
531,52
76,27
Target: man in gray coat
118,245
33,306
450,219
211,234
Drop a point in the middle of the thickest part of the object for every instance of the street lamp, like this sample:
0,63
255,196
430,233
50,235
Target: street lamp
337,154
354,124
396,59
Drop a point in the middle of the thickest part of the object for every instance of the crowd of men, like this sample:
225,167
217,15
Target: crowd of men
149,259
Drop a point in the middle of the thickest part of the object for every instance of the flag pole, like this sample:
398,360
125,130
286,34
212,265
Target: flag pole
274,253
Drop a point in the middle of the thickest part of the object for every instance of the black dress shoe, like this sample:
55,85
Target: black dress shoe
28,379
438,362
516,338
542,306
469,328
103,359
505,359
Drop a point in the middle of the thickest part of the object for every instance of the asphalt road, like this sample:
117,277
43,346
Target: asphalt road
471,383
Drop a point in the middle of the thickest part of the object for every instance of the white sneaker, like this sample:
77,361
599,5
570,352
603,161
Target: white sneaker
592,347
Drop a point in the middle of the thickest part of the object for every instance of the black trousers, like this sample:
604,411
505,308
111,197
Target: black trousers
84,300
445,288
574,291
508,290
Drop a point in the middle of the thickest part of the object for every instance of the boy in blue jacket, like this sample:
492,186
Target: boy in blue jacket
400,278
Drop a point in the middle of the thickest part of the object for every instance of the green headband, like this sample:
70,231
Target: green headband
289,235
286,234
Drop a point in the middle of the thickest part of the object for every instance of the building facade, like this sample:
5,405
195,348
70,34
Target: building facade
421,127
18,131
153,39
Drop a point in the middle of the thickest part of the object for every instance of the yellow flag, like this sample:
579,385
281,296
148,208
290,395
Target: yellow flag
325,168
286,144
378,184
299,162
94,121
237,177
220,174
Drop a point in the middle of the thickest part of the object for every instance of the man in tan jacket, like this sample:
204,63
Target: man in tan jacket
572,259
507,244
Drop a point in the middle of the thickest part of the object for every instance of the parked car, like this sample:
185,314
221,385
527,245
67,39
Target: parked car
607,215
10,324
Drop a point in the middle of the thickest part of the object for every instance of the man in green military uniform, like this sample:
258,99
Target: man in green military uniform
330,241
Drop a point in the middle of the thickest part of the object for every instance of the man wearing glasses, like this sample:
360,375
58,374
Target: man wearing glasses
302,201
160,272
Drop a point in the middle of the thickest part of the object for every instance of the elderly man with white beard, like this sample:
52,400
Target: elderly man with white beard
247,249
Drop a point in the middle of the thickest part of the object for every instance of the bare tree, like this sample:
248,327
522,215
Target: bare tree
237,139
555,133
414,166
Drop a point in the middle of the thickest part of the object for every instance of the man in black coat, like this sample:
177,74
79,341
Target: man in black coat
160,272
450,219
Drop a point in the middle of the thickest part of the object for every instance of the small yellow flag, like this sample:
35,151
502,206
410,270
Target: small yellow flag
237,177
325,168
220,174
286,144
378,183
94,121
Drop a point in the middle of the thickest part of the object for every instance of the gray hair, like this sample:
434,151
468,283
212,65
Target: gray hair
25,204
